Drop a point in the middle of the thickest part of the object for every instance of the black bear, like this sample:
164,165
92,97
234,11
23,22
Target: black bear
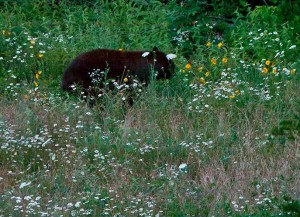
99,67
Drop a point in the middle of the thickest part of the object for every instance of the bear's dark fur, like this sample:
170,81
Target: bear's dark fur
116,65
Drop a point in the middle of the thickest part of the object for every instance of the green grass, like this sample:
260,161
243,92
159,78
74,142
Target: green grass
234,122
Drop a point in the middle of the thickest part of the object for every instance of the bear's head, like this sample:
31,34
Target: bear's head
160,63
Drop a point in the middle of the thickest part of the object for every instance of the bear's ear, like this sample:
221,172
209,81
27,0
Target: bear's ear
155,49
171,56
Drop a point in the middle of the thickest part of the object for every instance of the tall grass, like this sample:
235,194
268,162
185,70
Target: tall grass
221,138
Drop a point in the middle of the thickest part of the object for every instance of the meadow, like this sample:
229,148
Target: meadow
220,138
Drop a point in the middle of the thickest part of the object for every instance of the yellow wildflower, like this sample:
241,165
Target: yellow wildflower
224,60
207,74
182,70
238,92
292,71
125,80
188,66
39,72
200,69
32,42
202,80
232,96
26,97
268,62
37,75
274,70
265,70
41,55
213,61
35,84
208,44
220,44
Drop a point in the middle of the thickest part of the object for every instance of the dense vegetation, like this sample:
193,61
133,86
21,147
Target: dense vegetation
220,138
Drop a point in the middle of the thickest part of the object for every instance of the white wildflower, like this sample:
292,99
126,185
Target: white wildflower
77,204
182,167
24,184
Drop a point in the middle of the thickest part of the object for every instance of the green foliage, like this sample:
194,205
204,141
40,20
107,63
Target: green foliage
288,128
268,36
286,206
193,23
291,206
